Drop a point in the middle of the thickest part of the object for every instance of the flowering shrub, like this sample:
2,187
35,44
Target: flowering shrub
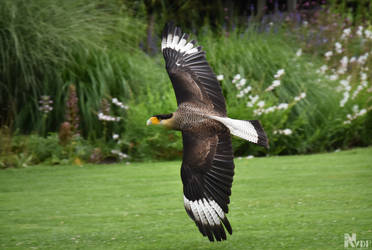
265,106
314,98
349,68
113,114
308,81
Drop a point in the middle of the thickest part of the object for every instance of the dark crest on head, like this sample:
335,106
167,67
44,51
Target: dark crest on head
165,116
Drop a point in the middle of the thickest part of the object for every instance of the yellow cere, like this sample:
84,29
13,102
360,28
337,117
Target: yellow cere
154,120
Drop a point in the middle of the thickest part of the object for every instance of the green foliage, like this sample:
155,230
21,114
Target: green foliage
354,11
46,45
293,202
257,58
22,151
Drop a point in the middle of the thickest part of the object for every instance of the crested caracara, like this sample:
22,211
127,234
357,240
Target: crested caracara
207,167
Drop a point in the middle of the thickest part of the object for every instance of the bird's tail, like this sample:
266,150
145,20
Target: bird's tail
250,130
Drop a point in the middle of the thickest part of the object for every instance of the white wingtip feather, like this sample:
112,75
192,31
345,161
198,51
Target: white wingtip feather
205,211
178,43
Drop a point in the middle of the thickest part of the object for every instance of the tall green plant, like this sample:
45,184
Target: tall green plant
39,43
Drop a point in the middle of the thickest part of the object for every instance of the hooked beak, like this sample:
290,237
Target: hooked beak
152,120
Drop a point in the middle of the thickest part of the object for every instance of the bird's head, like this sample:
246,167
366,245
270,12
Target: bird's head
165,120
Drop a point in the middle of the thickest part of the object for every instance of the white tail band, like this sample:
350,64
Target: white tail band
240,128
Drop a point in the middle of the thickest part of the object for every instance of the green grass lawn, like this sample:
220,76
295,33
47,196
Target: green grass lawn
294,202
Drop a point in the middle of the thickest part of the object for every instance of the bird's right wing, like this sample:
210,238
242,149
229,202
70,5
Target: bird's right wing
192,78
207,174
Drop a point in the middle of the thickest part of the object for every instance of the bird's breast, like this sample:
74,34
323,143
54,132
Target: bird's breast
195,119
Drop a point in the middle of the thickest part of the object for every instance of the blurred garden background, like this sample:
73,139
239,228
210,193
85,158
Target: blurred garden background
79,79
79,168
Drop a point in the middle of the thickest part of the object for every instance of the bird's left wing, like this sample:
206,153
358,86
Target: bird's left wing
192,78
207,174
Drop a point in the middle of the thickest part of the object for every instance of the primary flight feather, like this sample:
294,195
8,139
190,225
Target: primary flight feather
207,167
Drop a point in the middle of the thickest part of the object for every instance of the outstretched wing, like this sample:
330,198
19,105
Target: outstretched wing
207,174
192,78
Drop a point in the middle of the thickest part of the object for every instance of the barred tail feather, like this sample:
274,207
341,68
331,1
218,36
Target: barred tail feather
251,130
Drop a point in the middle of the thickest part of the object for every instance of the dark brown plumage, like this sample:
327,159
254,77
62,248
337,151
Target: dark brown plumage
207,167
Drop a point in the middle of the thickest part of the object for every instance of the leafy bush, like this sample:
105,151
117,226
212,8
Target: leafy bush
257,58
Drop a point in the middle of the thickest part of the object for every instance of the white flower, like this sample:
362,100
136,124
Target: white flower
363,58
261,104
368,34
362,112
322,69
356,92
299,52
345,99
275,84
244,92
236,78
279,73
341,71
118,103
249,157
328,54
363,76
300,97
345,82
356,114
353,59
345,33
115,136
333,77
108,118
343,68
270,109
344,61
287,131
247,89
360,31
282,106
258,111
305,23
242,81
120,154
338,47
253,100
220,77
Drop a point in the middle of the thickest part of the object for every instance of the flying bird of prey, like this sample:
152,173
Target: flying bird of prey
207,167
